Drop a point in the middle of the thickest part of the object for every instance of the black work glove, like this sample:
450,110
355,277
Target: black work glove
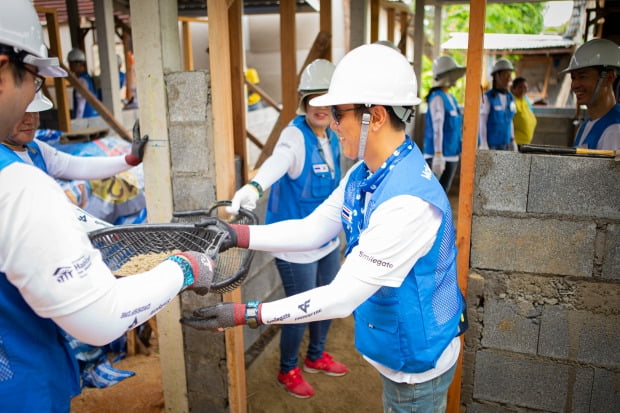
138,145
224,315
198,269
231,232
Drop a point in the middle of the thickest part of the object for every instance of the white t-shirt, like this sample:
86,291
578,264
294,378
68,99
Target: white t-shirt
288,157
46,254
66,166
400,231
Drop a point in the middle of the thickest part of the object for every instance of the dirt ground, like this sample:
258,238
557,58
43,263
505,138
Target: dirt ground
358,390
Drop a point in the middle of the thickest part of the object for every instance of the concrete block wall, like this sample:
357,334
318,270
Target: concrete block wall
543,291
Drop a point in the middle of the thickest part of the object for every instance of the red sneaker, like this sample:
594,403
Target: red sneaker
326,365
294,383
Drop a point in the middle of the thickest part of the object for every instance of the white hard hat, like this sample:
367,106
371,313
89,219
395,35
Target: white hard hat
76,55
40,103
596,52
445,68
314,79
502,64
20,29
372,74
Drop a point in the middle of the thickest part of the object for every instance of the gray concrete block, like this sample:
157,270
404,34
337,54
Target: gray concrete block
611,256
580,394
605,391
188,96
546,246
599,338
571,185
553,340
501,181
506,327
189,149
522,382
192,192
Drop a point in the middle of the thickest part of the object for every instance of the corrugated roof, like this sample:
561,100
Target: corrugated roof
514,42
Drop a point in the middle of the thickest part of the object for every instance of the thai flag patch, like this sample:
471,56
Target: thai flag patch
320,168
346,214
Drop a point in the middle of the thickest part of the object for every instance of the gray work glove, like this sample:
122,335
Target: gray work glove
217,317
138,145
198,269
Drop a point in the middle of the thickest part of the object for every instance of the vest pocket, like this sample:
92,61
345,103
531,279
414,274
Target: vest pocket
377,335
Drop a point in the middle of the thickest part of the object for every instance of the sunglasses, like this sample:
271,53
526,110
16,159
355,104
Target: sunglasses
38,79
337,113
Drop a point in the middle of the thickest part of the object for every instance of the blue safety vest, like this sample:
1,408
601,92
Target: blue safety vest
452,127
297,198
89,111
591,141
500,118
35,154
407,328
38,372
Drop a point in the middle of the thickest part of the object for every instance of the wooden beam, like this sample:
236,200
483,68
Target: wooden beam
221,95
325,24
62,100
264,95
404,25
288,60
238,91
374,20
188,53
105,114
468,164
391,17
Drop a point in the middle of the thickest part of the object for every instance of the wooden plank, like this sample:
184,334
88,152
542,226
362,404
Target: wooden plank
62,101
325,24
238,91
188,53
390,24
468,164
288,60
221,95
97,105
264,95
374,20
404,25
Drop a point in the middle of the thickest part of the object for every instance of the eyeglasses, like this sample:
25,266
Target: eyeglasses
38,79
337,113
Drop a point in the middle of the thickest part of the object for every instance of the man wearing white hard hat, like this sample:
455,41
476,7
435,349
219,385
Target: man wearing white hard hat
63,165
593,69
51,277
497,110
77,64
399,274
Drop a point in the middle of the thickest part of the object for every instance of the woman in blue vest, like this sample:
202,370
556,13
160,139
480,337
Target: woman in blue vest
302,172
497,110
593,70
399,274
51,277
443,128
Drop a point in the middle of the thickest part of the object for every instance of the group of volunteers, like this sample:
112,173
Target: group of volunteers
398,276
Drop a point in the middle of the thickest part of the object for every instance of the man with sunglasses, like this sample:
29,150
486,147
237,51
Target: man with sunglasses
51,277
399,276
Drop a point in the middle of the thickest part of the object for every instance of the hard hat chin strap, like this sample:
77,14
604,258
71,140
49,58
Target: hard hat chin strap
597,89
363,133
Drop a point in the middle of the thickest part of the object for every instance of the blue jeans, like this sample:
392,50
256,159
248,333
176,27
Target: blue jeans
427,397
447,176
297,278
504,147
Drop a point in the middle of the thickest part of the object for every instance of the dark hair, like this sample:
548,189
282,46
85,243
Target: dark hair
396,122
16,58
517,81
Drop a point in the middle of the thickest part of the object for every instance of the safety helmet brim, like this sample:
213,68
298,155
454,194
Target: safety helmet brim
48,66
40,103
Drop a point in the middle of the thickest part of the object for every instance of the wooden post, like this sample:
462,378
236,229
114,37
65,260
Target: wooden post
468,164
188,54
288,61
325,24
62,101
221,81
